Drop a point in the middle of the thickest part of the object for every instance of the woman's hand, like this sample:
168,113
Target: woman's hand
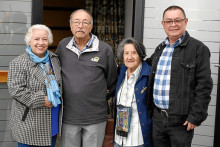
47,103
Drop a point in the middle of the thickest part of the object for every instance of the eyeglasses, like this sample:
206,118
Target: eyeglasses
170,22
77,23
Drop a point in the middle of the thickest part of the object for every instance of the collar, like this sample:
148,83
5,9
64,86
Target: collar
145,69
91,48
177,42
31,63
136,72
88,44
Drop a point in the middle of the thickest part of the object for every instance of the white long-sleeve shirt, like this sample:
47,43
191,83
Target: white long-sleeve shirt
124,97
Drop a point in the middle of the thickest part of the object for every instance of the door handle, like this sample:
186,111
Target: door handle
217,65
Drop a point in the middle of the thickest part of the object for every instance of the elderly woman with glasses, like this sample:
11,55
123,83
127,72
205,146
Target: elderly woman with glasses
34,82
132,125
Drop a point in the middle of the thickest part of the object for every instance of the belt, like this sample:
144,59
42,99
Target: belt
164,112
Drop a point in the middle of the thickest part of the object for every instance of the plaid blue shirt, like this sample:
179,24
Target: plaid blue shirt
89,43
162,76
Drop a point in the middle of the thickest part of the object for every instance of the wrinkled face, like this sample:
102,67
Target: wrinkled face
131,57
39,42
174,24
80,25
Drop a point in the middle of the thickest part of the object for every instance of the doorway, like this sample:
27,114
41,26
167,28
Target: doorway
56,16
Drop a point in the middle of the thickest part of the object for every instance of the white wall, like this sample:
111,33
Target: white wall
204,24
15,18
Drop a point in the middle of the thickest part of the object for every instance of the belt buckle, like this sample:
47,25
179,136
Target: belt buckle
164,112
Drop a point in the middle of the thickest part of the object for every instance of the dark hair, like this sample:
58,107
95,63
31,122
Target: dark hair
140,48
174,8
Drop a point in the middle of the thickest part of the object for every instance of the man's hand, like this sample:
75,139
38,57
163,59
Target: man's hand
47,103
190,126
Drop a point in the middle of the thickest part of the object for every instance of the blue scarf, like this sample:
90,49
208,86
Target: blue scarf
53,92
37,59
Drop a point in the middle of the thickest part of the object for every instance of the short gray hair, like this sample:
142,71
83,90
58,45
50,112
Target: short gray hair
140,48
29,34
84,11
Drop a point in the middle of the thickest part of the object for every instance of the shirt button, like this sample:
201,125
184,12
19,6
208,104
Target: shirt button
136,89
140,112
142,124
138,100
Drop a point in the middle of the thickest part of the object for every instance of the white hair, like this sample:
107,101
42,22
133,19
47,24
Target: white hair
35,27
84,11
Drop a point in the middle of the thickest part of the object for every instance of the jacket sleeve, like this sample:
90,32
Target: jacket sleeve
18,86
149,60
58,49
111,74
203,87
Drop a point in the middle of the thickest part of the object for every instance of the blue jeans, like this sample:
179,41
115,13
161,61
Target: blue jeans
53,143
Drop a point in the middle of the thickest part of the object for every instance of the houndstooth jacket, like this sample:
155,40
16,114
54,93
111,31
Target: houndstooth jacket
30,120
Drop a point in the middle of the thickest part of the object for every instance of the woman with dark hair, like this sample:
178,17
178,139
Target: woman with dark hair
132,124
34,82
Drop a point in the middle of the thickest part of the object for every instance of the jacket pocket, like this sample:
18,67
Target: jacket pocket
24,116
189,66
188,73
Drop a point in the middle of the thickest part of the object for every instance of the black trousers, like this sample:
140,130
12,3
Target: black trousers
169,131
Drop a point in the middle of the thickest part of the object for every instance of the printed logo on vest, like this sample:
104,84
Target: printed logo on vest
95,59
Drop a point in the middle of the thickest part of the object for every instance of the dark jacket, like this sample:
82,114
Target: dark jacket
190,83
141,100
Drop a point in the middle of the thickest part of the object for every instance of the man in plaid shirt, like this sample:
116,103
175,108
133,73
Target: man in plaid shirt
180,83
